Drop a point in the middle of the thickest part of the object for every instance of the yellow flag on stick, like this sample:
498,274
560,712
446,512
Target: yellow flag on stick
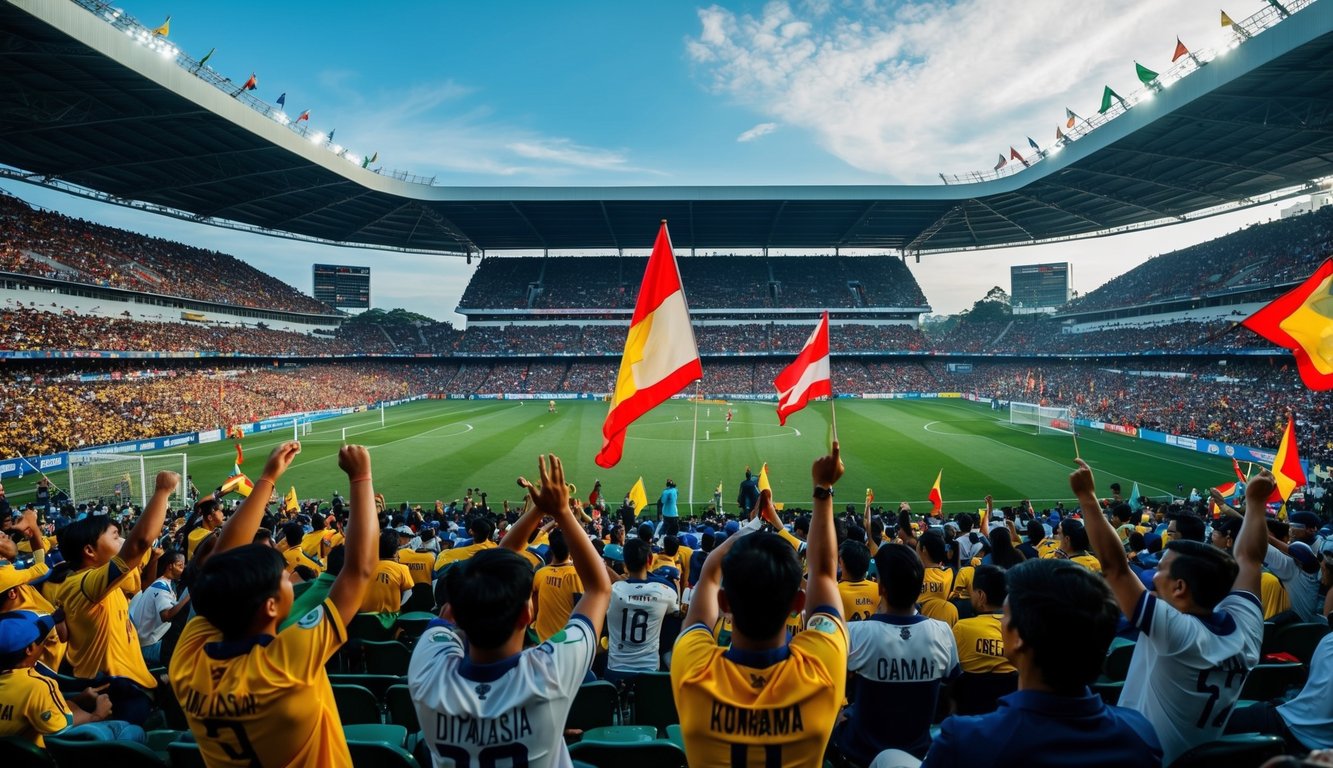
290,503
1226,20
639,496
165,29
763,479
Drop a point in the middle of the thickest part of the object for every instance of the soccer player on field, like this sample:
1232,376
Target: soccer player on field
480,697
1201,629
765,702
254,694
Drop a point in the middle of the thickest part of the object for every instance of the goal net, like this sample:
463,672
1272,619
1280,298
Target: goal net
114,479
1048,420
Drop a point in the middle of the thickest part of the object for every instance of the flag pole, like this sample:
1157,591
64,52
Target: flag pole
694,442
1073,430
832,412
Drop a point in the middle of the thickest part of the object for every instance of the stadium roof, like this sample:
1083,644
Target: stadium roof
85,105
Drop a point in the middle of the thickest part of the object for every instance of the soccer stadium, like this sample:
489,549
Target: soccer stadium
519,476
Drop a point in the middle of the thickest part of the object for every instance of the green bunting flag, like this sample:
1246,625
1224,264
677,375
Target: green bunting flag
207,56
1146,76
1107,95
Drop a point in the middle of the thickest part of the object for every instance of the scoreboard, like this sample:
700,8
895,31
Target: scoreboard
342,287
1039,286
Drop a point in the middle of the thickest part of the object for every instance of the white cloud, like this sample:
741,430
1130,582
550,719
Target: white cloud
909,90
566,152
763,129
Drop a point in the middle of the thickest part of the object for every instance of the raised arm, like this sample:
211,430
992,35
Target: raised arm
870,496
553,499
821,588
149,527
1105,541
361,538
520,533
240,528
1252,542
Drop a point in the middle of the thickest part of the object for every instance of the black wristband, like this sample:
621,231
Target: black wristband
823,493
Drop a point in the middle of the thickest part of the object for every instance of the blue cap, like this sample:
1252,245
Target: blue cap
690,540
614,553
732,526
1305,519
1301,553
20,629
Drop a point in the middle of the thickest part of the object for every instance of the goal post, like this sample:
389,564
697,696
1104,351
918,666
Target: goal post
121,478
1048,420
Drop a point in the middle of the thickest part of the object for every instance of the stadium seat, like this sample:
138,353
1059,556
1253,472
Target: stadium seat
1299,640
185,754
422,600
1271,681
388,657
401,709
381,732
976,694
368,626
648,754
594,706
1270,632
171,708
356,705
412,623
1116,667
654,703
675,735
103,754
1109,691
16,752
620,734
379,685
1243,751
380,754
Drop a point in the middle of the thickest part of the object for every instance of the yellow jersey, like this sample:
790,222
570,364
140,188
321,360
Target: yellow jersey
684,555
193,540
859,599
31,599
1273,595
102,638
765,709
312,542
554,588
980,645
458,554
937,584
387,585
1087,560
420,564
263,700
722,631
31,706
943,610
1047,546
795,623
962,584
295,556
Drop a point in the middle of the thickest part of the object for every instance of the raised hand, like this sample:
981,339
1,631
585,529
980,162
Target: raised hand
167,481
552,498
828,469
1260,488
353,460
281,458
1081,481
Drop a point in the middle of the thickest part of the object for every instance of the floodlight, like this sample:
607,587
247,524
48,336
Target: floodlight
316,138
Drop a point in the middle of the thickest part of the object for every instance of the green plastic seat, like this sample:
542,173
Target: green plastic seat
1116,666
1242,751
185,754
21,753
675,735
654,703
1110,692
387,657
380,754
401,709
1271,681
376,684
422,600
356,705
103,754
1299,640
658,753
620,734
368,626
594,706
387,733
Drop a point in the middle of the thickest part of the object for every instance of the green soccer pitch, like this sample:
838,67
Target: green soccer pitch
436,449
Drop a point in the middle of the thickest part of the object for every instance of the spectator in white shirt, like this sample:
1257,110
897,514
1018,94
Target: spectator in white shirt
152,610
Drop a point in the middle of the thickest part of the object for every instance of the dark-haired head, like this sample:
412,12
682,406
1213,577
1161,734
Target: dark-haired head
559,551
481,529
242,590
761,579
637,553
1194,576
855,558
90,542
292,533
931,546
388,544
1075,535
1002,552
1187,527
901,575
1059,618
489,596
988,587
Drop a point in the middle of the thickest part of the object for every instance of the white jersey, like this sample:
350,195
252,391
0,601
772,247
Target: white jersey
898,664
1187,671
1302,585
634,623
511,712
146,611
1309,716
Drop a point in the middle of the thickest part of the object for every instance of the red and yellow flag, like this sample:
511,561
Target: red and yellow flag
1302,320
1287,470
240,457
660,357
239,483
936,499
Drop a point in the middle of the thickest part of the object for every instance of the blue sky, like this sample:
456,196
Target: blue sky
578,93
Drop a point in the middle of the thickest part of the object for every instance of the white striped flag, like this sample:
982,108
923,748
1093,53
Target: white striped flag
808,376
660,357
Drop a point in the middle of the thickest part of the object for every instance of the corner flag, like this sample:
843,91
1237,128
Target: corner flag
808,376
660,357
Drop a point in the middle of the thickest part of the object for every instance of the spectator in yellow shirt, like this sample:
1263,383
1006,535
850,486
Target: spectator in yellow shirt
390,582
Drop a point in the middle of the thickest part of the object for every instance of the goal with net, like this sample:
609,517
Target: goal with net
1047,420
115,479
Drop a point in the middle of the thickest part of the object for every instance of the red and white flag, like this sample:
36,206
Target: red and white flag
808,376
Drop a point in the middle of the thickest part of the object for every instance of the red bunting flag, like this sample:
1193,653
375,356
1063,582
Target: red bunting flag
936,499
240,457
808,376
1181,50
304,116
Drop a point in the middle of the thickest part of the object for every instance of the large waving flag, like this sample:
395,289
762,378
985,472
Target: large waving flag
1302,320
1287,470
239,483
660,357
290,503
764,485
936,499
639,495
808,376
